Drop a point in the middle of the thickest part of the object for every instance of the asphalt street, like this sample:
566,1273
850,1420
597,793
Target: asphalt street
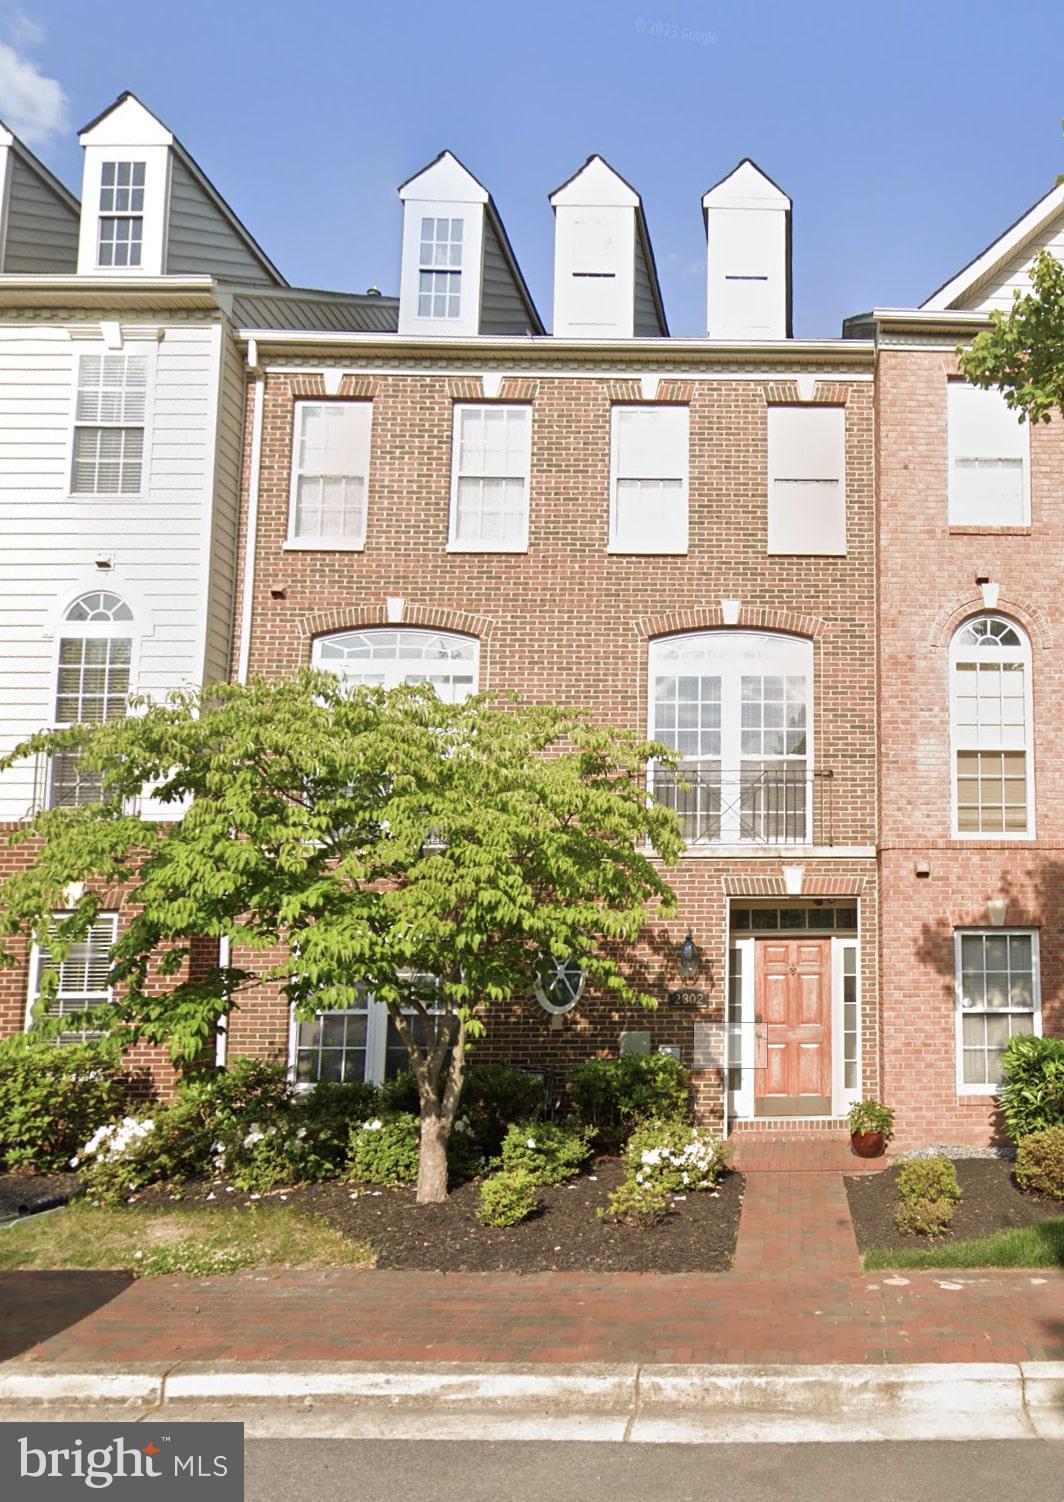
335,1470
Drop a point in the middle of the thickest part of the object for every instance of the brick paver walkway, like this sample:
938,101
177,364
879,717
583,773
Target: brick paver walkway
796,1294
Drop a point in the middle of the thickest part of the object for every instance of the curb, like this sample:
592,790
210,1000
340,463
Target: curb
634,1403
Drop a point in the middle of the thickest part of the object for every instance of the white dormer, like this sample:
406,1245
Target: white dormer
748,229
125,188
605,284
459,276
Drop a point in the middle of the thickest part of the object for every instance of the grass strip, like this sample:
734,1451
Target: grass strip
1038,1245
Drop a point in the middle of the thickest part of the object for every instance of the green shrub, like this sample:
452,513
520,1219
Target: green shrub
612,1095
1040,1163
53,1097
548,1152
118,1159
328,1112
924,1217
508,1198
675,1156
493,1097
385,1150
1031,1097
928,1179
639,1203
399,1094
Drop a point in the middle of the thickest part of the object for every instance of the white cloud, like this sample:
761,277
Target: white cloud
33,105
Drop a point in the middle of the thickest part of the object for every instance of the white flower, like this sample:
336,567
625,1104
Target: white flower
73,1162
530,1142
301,1134
255,1135
373,1126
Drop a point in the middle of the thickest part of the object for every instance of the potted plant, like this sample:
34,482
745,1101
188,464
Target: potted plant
871,1128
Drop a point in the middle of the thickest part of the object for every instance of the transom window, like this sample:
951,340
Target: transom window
83,975
997,998
737,706
990,664
384,657
648,483
92,685
989,482
121,214
440,268
109,425
329,473
490,476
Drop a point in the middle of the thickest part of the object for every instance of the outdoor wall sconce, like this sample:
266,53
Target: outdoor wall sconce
690,959
996,909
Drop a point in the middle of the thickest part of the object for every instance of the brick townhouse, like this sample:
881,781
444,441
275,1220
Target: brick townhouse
679,535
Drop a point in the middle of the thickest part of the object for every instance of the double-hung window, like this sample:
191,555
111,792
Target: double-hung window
807,480
440,268
491,459
83,977
989,479
92,685
121,221
109,421
649,478
330,473
990,675
997,999
362,1044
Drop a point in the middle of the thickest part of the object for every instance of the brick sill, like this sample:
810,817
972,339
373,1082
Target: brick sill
989,531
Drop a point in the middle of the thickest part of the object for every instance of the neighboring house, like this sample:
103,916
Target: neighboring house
122,394
677,535
971,573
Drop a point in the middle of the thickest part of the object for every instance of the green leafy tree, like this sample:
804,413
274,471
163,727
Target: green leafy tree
433,853
1022,353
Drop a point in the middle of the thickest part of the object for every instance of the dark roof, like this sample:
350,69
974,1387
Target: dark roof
308,308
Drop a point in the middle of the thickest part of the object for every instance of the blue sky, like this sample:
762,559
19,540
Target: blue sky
908,134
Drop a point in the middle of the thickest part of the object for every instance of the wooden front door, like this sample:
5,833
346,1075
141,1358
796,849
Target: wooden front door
792,1018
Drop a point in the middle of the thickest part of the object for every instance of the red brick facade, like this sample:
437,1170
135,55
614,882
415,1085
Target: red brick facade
927,583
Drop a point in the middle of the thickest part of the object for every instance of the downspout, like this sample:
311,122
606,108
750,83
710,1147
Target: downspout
225,946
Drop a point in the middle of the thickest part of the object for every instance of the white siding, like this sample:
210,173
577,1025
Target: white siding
160,541
1015,276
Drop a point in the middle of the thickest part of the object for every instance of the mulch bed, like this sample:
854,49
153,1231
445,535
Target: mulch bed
991,1201
697,1236
26,1193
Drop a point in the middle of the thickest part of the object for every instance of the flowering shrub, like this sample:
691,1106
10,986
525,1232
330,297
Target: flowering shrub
676,1156
547,1152
53,1097
1040,1163
508,1198
637,1202
613,1095
118,1158
385,1150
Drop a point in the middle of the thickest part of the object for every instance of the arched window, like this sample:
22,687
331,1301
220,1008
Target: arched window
385,656
990,720
92,685
738,707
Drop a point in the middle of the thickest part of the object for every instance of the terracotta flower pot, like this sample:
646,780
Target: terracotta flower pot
868,1144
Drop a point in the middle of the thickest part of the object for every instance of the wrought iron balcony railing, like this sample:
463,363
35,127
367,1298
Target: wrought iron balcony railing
765,803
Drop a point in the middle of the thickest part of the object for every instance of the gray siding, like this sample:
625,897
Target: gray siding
502,308
647,324
200,240
42,229
307,310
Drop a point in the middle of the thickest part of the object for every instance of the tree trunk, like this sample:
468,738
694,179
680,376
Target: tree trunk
432,1166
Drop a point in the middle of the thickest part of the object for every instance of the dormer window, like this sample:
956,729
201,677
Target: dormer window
440,268
121,213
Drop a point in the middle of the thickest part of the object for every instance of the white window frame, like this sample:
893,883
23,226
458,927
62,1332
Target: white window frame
456,544
147,352
377,1019
325,544
112,215
741,1101
959,653
68,630
770,654
33,991
453,273
668,546
960,1012
843,1096
953,499
793,483
393,671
